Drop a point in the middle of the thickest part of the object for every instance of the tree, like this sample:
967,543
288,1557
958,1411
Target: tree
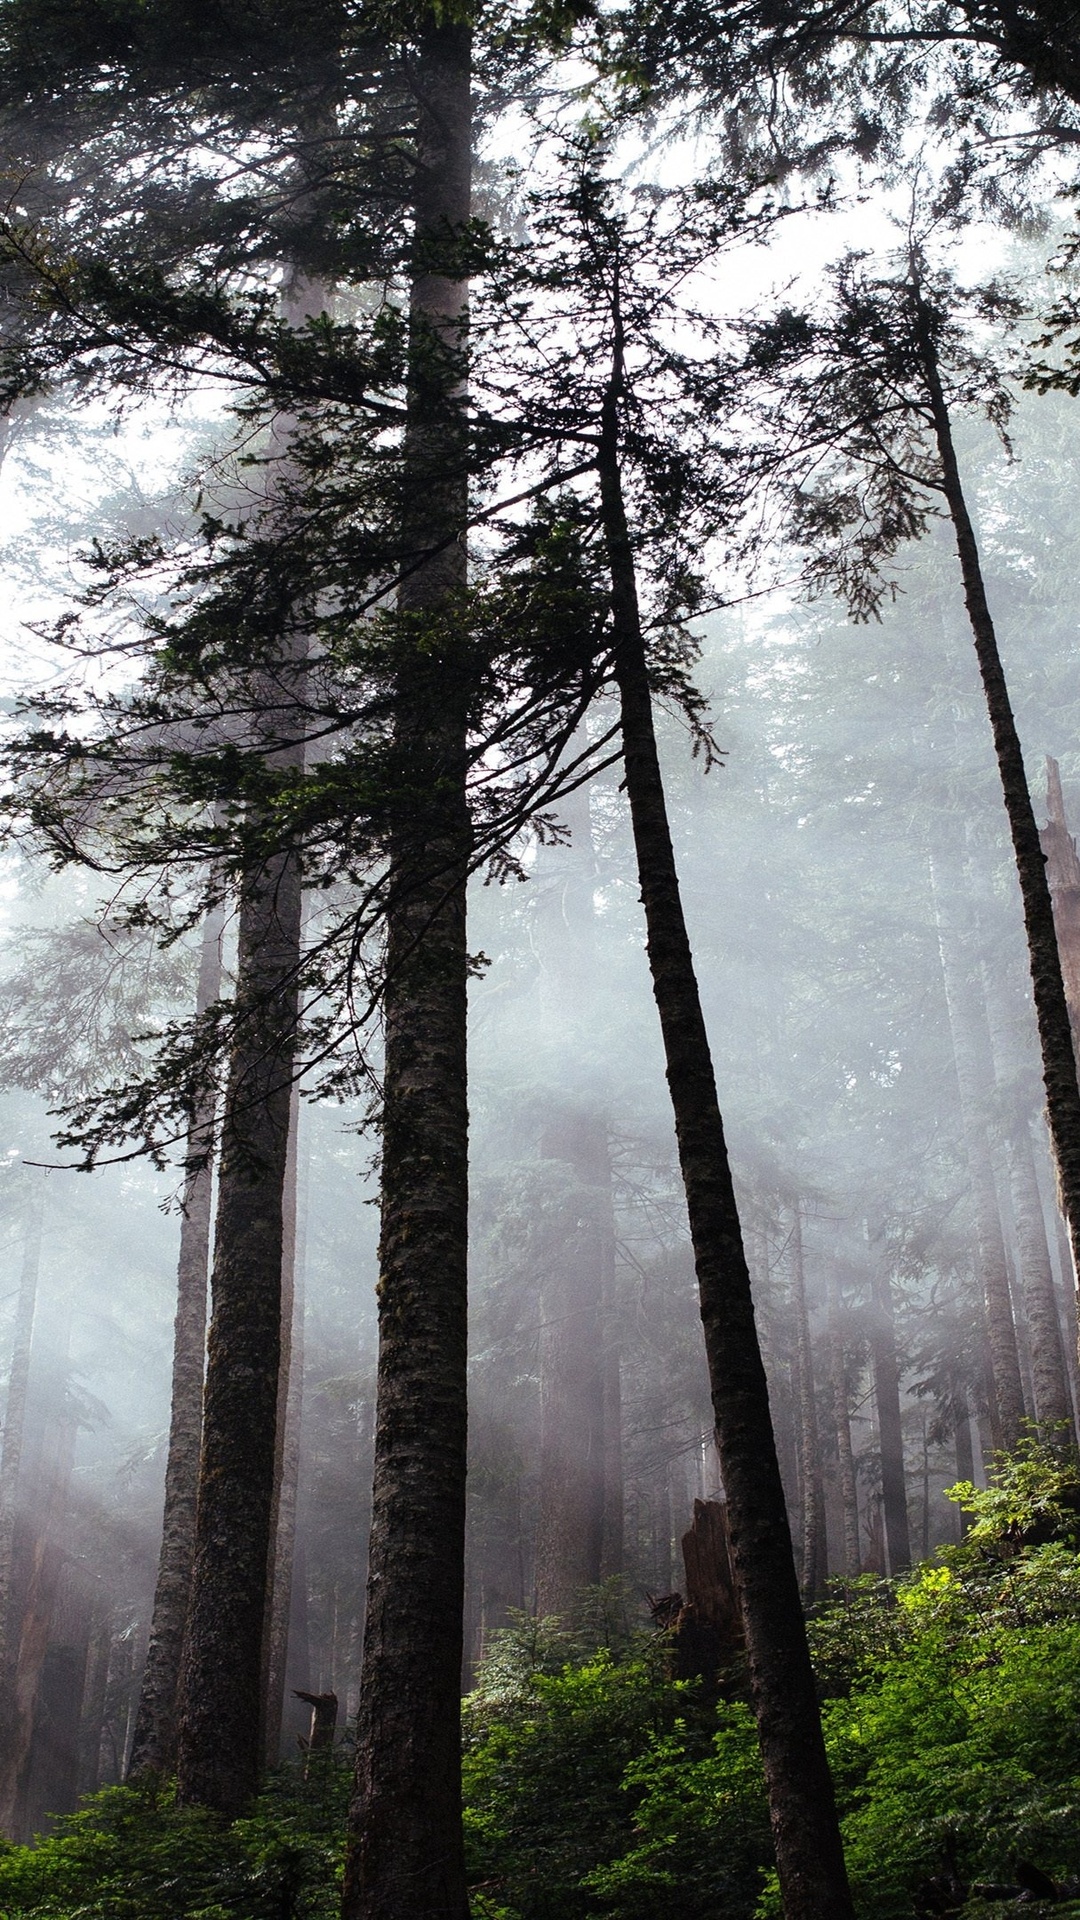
154,1741
406,1848
881,396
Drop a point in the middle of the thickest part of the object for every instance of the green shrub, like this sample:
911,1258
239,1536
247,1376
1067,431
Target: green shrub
131,1854
952,1717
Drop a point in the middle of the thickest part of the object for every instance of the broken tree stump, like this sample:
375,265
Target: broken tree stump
320,1740
706,1628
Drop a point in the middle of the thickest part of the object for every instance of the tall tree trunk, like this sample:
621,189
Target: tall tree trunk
890,1427
570,1528
1049,1378
612,1559
219,1753
289,1419
965,1459
849,1492
153,1747
579,1264
14,1430
802,1807
972,1068
405,1855
1063,877
92,1719
1051,1006
46,1568
813,1566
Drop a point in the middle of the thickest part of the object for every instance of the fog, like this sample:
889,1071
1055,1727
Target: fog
858,938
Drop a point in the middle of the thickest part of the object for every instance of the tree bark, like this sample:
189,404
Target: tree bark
612,1558
813,1571
570,1527
15,1426
92,1719
849,1492
219,1752
153,1747
1049,1379
972,1067
35,1629
1063,877
405,1854
806,1834
890,1427
1048,987
289,1420
576,1459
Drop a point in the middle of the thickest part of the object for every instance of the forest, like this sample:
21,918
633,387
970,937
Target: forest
539,959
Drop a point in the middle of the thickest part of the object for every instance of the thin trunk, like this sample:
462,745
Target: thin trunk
52,1780
15,1428
890,1428
290,1410
580,1259
1051,1007
965,1452
1063,878
663,1557
806,1834
153,1747
813,1570
406,1854
36,1626
570,1527
612,1556
849,1492
965,1461
924,1549
220,1743
1050,1383
92,1719
972,1069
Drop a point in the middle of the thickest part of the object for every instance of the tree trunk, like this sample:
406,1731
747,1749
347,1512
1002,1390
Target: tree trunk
1051,1007
1063,877
289,1420
51,1787
153,1747
813,1571
405,1855
570,1527
849,1492
220,1721
890,1428
579,1261
35,1632
809,1853
612,1558
14,1432
92,1719
972,1067
1049,1379
965,1461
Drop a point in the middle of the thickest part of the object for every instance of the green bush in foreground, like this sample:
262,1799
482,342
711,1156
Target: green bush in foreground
131,1854
952,1716
597,1786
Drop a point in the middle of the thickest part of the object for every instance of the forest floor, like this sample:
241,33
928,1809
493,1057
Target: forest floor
596,1785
